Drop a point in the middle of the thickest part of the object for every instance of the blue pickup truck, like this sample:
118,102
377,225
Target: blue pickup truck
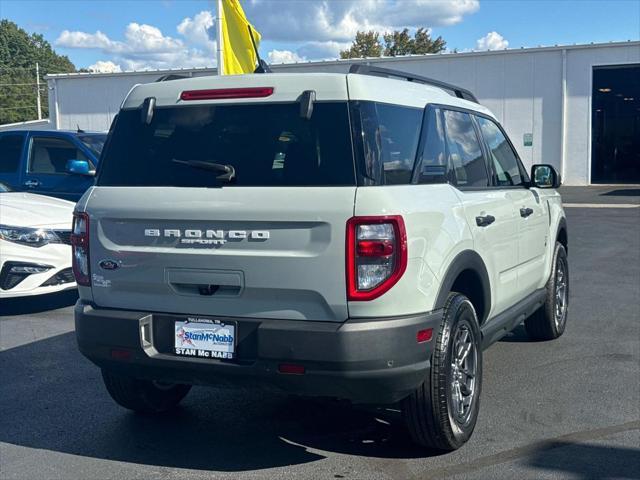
56,163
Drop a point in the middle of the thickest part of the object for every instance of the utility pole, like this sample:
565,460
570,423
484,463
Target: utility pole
219,45
39,104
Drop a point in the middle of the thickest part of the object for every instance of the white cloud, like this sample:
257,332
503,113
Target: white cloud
322,50
293,20
140,38
83,40
146,47
310,30
199,30
492,41
284,56
147,38
105,67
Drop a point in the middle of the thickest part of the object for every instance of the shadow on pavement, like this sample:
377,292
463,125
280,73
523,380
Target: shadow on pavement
38,304
623,192
53,399
588,461
517,335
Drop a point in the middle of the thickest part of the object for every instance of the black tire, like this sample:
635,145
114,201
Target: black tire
143,396
429,412
550,320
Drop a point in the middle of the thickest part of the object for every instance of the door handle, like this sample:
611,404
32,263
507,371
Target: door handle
32,183
485,220
525,212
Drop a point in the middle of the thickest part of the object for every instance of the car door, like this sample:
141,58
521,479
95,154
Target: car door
489,213
11,153
46,172
532,214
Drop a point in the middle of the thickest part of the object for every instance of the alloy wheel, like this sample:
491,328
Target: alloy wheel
560,293
464,365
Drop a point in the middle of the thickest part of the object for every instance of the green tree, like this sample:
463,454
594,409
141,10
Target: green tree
423,43
401,43
366,44
398,43
19,52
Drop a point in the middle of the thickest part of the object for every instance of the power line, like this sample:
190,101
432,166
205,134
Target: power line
16,84
18,108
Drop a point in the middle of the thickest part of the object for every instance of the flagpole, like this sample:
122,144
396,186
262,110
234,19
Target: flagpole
219,46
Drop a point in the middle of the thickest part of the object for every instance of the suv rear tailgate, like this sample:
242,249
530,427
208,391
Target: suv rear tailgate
281,254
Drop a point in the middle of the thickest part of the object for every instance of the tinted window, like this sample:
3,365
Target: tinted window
267,145
433,156
464,152
10,150
94,142
50,155
507,172
390,135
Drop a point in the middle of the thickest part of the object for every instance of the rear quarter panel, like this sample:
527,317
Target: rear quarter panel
436,232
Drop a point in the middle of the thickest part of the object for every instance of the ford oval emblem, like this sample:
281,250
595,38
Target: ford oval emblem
109,264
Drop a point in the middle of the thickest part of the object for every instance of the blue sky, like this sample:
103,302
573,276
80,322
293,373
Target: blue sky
142,34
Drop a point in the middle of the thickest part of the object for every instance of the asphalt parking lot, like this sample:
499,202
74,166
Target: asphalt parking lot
563,409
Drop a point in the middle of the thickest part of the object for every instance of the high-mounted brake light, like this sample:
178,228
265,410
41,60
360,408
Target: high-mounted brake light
80,248
225,93
376,255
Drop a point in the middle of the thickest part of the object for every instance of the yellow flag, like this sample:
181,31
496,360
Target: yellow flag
238,53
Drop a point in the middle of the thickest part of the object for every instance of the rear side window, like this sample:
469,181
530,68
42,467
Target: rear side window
433,166
506,168
266,144
50,155
464,152
389,136
10,150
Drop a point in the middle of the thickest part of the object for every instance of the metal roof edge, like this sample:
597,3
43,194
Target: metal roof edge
277,66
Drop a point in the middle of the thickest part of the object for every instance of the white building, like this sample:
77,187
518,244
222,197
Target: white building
576,107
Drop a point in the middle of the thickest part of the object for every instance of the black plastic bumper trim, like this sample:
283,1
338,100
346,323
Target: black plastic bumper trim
363,360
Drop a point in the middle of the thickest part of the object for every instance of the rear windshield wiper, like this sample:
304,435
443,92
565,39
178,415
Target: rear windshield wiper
227,172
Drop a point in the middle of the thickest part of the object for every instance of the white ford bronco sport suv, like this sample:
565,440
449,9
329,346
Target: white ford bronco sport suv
361,236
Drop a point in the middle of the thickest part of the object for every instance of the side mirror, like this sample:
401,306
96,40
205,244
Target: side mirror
544,176
79,167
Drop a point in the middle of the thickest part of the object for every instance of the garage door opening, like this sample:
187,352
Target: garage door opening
615,133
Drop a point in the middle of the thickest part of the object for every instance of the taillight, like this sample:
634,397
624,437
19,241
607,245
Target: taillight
80,248
224,93
376,255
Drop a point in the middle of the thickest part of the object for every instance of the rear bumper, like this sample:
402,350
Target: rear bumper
365,361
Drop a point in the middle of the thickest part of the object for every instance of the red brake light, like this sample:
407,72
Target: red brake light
225,93
374,248
80,248
291,369
376,255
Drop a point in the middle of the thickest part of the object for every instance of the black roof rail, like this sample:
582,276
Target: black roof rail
172,76
362,69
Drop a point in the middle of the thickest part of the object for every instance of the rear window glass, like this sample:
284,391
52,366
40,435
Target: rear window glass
266,144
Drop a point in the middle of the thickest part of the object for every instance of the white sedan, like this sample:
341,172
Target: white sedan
35,251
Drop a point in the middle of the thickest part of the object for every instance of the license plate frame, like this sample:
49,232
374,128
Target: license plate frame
205,338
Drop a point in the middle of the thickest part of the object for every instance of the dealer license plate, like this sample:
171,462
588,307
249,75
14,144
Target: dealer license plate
205,338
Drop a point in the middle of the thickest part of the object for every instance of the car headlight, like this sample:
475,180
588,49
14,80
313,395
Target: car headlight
33,237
